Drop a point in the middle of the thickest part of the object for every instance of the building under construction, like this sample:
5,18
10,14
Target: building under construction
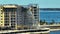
18,16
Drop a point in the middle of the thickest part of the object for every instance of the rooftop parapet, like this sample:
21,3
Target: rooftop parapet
10,6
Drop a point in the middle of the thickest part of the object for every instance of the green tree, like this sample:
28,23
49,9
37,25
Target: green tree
52,22
43,22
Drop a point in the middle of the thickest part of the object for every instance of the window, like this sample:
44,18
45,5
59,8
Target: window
12,18
12,15
6,15
6,12
13,21
1,21
35,12
1,16
35,15
34,7
6,18
1,12
12,12
1,24
12,26
6,21
6,24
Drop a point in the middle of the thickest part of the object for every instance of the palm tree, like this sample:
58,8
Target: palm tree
52,22
43,22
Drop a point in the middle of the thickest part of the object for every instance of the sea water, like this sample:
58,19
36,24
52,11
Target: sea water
49,15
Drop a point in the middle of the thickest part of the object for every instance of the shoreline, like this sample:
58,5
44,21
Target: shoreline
54,29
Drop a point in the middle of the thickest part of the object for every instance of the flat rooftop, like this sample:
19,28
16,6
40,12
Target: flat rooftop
10,6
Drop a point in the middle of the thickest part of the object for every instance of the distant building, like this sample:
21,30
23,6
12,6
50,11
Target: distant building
16,15
35,12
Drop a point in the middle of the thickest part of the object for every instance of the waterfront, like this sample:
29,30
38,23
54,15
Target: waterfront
48,15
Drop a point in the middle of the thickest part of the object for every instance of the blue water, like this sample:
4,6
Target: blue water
55,32
49,15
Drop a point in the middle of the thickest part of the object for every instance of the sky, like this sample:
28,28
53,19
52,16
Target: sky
41,3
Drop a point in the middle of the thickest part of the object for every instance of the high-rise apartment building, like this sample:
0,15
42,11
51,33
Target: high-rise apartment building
1,17
35,13
8,16
14,15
